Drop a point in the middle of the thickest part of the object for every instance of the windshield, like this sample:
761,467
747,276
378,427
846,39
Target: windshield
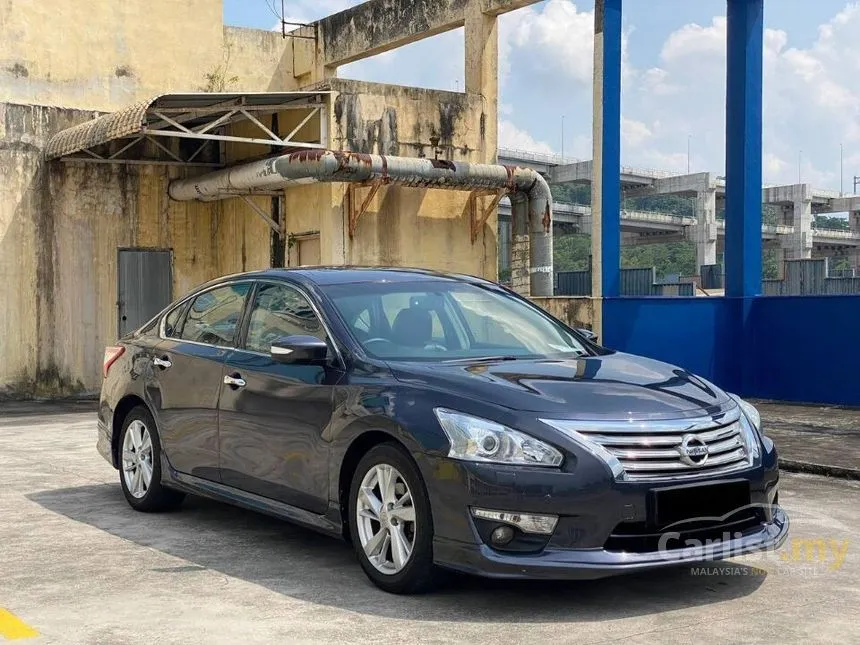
438,320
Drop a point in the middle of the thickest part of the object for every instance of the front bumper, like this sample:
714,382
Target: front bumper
582,564
599,520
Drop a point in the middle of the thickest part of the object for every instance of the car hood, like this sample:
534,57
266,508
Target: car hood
614,386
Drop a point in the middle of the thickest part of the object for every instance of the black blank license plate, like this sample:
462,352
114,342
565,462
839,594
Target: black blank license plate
672,505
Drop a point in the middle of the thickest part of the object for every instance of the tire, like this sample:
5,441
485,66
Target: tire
139,436
418,574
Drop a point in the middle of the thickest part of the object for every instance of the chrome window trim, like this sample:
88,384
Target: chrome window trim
252,281
191,296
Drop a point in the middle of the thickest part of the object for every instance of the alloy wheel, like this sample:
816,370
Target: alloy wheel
385,516
137,459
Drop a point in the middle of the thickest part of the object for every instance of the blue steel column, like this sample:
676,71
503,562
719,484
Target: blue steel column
607,149
744,148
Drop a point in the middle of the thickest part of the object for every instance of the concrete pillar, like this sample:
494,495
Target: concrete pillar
780,262
482,74
798,246
606,179
706,228
854,222
520,247
854,260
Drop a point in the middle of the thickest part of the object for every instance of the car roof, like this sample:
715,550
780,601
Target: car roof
333,275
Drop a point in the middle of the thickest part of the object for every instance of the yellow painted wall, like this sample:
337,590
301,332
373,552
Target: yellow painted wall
61,226
104,54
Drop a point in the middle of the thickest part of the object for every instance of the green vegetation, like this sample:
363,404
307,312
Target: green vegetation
572,251
832,223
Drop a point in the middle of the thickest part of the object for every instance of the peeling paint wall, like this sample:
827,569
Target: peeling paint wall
408,226
61,225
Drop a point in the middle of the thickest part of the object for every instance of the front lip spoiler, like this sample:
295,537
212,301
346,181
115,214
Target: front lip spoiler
560,564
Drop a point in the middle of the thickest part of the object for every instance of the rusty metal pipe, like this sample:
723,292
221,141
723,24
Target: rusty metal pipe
309,166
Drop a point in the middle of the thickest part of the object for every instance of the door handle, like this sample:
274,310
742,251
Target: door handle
234,381
163,363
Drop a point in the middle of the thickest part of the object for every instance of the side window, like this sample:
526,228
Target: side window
279,310
173,322
214,316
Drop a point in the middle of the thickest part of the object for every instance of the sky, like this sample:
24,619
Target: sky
673,80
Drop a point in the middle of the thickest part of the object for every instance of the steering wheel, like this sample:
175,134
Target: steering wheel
377,340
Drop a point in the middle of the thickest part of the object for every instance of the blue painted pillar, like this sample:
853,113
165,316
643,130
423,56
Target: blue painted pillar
606,178
744,148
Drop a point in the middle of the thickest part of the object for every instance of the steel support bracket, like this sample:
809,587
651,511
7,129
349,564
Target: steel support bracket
277,228
355,209
478,214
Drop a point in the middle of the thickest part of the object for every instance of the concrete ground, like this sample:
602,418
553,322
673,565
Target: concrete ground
816,438
77,565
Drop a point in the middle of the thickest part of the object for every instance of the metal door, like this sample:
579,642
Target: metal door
144,286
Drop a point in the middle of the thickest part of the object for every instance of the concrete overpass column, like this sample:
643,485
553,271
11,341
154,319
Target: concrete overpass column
854,222
800,242
854,260
706,228
780,262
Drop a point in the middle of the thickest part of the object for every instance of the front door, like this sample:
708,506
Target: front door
143,287
187,373
273,415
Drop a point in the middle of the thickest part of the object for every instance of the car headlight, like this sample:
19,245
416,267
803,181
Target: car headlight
476,439
750,426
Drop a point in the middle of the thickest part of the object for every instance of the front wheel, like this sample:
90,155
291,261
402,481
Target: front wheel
390,521
140,465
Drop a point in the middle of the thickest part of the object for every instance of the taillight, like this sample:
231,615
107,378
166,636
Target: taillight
111,354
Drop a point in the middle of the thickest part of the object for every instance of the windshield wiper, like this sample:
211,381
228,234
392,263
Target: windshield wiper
480,359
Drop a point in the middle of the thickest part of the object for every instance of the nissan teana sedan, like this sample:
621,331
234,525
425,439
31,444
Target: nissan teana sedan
437,422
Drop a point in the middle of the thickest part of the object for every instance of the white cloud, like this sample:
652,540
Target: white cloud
695,40
510,136
559,39
811,99
811,102
635,133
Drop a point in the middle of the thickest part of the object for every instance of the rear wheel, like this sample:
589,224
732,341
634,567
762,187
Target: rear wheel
140,465
390,521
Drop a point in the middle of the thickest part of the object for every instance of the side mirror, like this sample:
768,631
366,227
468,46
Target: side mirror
299,350
590,335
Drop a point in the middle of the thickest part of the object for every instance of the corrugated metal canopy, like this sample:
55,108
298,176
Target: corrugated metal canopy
194,115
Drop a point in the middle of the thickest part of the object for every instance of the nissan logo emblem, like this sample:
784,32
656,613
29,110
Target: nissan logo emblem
693,451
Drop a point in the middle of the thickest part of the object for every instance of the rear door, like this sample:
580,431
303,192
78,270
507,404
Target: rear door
273,415
187,374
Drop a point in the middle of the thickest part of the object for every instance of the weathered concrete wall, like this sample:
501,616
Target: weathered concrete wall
61,225
102,54
575,312
409,226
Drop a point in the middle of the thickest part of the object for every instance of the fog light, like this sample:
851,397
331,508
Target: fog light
527,523
502,535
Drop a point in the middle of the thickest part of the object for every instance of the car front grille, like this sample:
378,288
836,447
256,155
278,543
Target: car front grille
655,450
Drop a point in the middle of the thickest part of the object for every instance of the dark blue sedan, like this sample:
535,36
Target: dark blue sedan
436,421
